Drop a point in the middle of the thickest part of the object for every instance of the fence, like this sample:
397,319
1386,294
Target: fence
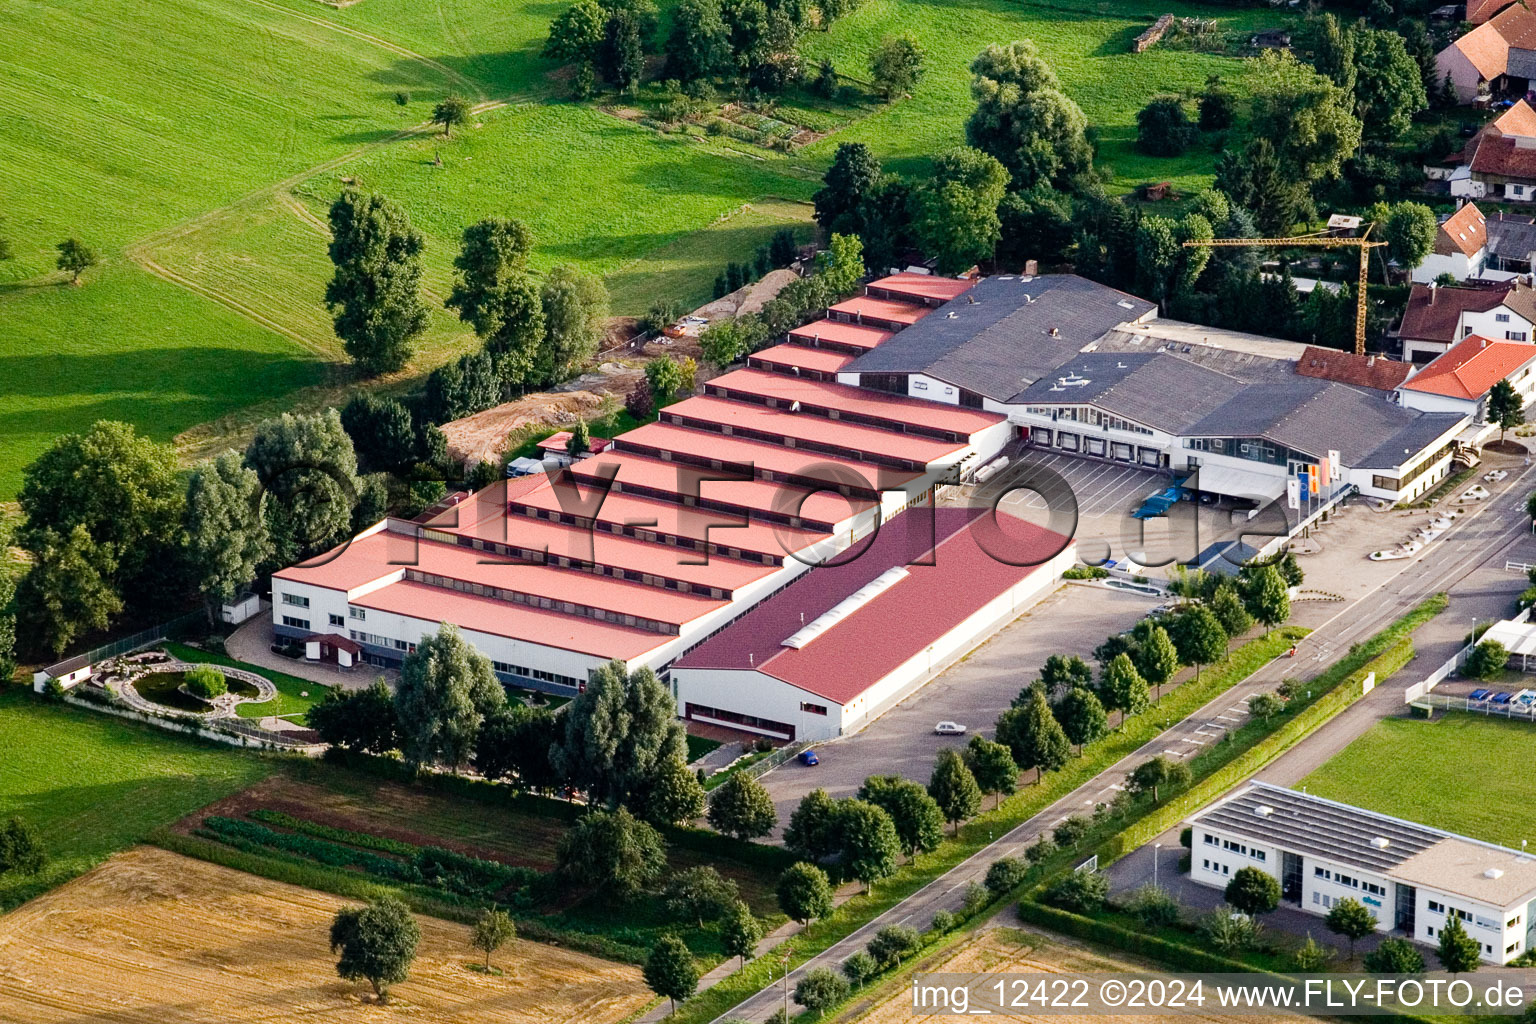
773,760
126,644
1524,713
1421,690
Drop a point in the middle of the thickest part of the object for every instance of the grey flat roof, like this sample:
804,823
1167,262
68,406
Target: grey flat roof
1313,826
997,338
1412,439
1156,389
1244,363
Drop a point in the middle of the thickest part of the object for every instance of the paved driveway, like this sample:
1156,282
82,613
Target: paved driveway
1073,619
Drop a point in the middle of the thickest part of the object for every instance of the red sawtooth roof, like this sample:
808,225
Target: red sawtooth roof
681,478
803,427
761,455
882,309
801,357
515,621
858,335
898,623
1376,372
1471,366
667,518
924,287
379,555
850,399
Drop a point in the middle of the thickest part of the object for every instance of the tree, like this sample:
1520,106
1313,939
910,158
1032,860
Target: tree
918,821
993,766
741,807
1395,956
75,258
894,943
1060,673
1082,716
1198,637
673,796
374,293
1123,689
896,65
955,211
577,32
382,432
362,720
697,893
868,845
740,932
69,590
451,110
1505,407
446,690
611,850
494,928
840,265
1389,87
495,295
1154,655
226,532
1254,179
812,829
670,971
699,45
639,403
665,376
1351,919
1218,107
1081,892
1290,570
1458,951
1487,660
804,892
1409,230
1034,737
1309,119
575,308
1229,610
726,340
7,621
1266,597
954,788
1265,706
1070,831
1253,892
1333,51
1025,120
1163,128
1155,774
619,734
820,989
21,851
621,58
377,943
1005,875
580,440
859,968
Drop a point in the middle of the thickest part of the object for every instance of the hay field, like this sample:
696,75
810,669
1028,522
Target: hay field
154,938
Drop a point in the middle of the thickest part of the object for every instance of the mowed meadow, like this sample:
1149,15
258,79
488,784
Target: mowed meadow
197,145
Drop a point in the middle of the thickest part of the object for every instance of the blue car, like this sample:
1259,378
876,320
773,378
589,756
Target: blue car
1500,698
809,758
1479,694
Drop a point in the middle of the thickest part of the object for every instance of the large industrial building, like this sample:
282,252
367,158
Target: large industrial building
1412,878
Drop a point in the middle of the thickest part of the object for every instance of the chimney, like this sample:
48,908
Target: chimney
1370,362
1032,267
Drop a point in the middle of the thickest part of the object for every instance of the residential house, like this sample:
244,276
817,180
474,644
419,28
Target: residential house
1479,11
1461,248
1498,162
1511,245
1437,318
1497,58
1459,381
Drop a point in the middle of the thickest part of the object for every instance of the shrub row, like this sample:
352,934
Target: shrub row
322,851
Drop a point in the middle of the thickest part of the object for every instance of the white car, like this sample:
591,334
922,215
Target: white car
949,729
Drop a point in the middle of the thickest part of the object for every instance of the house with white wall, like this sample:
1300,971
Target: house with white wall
1460,250
1459,381
1438,317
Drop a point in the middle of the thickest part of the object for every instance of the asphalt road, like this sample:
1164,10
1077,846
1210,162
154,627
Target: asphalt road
1483,534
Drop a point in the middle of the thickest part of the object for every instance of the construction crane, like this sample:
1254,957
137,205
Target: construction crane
1317,242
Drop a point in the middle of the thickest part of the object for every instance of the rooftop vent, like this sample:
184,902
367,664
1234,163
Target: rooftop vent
1263,810
1126,304
1381,842
1029,300
1494,873
953,315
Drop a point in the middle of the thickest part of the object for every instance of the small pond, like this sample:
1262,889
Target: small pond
163,688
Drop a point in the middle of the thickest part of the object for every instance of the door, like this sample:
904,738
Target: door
1407,899
1290,876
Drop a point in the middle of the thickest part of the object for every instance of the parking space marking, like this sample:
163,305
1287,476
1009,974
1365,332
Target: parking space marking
1191,739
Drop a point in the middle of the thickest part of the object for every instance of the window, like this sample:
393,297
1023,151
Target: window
289,620
360,614
1429,931
1436,907
337,620
1511,948
1514,336
296,600
1502,318
1258,855
813,709
1210,840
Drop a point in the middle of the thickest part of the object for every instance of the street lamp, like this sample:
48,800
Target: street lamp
1157,849
785,961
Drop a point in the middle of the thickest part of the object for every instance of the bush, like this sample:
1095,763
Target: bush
1487,660
1228,931
943,922
205,682
976,897
1006,874
1313,957
860,967
1085,572
1186,837
1071,831
1395,956
893,943
1153,907
1081,892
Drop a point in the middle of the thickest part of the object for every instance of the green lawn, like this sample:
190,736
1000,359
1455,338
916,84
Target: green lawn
93,784
1461,772
295,696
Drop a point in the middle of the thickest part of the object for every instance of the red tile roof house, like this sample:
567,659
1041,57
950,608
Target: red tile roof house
1459,381
844,643
1436,318
1461,247
1496,58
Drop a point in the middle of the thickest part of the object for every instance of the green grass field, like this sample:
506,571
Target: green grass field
204,140
295,696
93,784
1460,772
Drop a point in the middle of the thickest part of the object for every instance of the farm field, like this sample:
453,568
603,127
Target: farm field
1441,773
93,784
154,937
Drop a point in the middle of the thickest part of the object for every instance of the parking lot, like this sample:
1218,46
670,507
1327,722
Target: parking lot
1072,620
1101,488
